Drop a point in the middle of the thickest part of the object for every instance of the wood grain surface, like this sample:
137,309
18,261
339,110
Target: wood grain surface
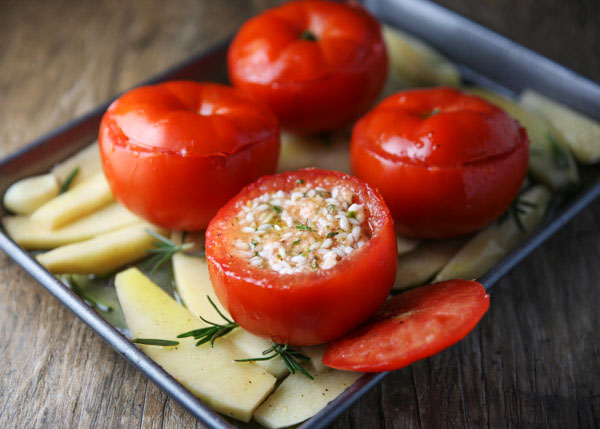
533,361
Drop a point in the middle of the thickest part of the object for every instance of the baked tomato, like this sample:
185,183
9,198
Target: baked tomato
319,65
411,326
302,257
174,153
446,163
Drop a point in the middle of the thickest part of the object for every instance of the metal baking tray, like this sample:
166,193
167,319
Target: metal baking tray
484,57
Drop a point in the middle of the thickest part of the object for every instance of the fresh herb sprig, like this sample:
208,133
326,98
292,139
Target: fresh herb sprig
83,294
211,333
517,209
155,342
64,187
164,250
290,357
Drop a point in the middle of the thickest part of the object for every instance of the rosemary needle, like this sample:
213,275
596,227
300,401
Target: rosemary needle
211,333
517,209
164,250
155,342
64,187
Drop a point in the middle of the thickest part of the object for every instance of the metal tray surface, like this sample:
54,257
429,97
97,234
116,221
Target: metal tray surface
484,57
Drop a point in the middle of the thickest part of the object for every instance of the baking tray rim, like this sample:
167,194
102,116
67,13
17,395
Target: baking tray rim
154,371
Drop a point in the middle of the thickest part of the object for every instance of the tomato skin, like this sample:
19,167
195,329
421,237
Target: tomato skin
442,175
311,85
411,326
306,308
173,161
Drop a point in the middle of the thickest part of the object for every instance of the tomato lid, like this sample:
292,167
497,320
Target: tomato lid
189,119
438,127
305,40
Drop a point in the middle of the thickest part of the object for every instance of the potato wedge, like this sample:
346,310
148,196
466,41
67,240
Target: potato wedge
315,353
234,389
420,265
414,61
79,201
103,253
193,285
580,133
405,244
87,160
299,398
328,153
27,195
30,235
491,244
550,160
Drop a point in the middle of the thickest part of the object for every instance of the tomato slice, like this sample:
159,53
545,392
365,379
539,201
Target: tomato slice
411,326
284,262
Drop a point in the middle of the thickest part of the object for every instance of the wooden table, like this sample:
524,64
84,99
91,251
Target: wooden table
533,360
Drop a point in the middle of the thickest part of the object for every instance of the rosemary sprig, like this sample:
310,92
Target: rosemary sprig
64,187
164,250
517,209
211,333
155,342
290,357
81,293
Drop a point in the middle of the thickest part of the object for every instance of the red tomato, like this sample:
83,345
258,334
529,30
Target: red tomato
312,306
411,326
174,153
319,65
446,163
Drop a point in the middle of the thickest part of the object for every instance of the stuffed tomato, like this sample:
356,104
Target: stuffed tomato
318,64
446,163
302,257
174,153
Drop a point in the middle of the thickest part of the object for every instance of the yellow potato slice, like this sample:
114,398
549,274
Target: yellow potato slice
298,398
491,244
414,61
580,133
27,195
87,160
31,236
405,244
315,353
234,389
550,160
422,264
79,201
103,253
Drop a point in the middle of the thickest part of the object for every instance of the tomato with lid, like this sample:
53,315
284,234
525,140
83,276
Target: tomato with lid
446,163
302,257
174,153
318,64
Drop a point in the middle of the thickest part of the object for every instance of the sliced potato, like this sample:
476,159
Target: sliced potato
231,388
103,253
27,195
405,244
491,244
79,201
87,160
315,353
422,264
550,160
193,285
580,133
30,235
326,152
299,398
413,60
